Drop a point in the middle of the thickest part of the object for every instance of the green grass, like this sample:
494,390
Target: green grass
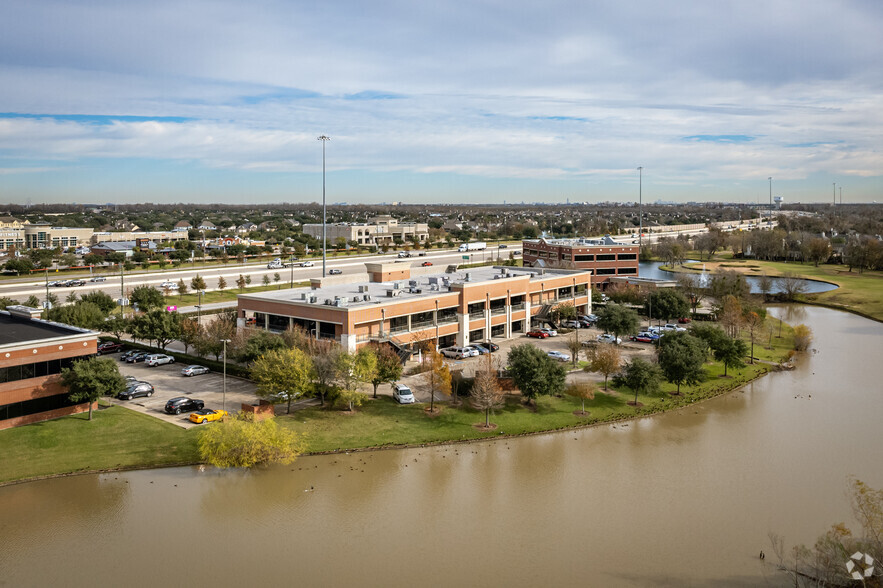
117,438
228,295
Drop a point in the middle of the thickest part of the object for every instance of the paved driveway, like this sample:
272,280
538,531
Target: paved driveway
168,383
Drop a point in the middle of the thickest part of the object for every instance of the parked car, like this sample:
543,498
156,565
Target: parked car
490,346
608,338
473,352
180,404
138,357
334,272
207,415
98,279
558,355
109,347
136,389
426,263
572,324
592,318
685,320
194,370
127,354
159,359
551,332
644,338
538,334
482,350
169,285
655,330
674,327
456,352
402,394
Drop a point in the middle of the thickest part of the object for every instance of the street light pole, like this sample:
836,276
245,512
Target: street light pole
291,265
324,140
835,193
770,218
640,207
224,402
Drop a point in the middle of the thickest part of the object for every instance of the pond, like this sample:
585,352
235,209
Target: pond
650,269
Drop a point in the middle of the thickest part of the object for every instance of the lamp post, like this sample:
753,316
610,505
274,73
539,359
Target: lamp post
835,193
770,218
122,290
640,207
436,324
199,307
291,265
324,140
224,401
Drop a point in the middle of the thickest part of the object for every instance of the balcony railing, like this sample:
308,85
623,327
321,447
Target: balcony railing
498,311
399,329
474,316
422,325
519,306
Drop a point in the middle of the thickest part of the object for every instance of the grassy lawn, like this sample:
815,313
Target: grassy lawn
859,293
228,295
116,438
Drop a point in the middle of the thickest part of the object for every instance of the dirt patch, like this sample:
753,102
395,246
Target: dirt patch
432,413
581,413
482,427
636,404
675,394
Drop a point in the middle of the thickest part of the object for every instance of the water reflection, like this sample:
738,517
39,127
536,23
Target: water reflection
650,269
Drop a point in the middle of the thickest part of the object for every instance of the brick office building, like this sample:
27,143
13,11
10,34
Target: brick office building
604,257
404,304
32,355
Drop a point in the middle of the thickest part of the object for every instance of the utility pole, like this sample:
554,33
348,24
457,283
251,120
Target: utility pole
122,291
224,401
640,208
324,140
770,219
841,195
835,193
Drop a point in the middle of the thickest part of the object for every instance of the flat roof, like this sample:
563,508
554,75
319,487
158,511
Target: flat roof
427,285
15,330
605,241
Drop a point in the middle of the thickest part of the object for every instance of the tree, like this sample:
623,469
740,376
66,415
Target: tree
100,299
4,302
158,325
276,278
486,392
283,374
618,320
212,336
765,285
583,391
791,286
574,345
182,287
222,283
265,280
354,369
242,442
116,325
565,312
534,372
802,337
819,250
666,304
641,376
250,344
197,283
389,365
728,283
325,365
189,334
69,260
606,359
681,357
81,314
146,298
93,259
33,301
754,322
87,380
19,265
438,376
730,315
240,282
730,352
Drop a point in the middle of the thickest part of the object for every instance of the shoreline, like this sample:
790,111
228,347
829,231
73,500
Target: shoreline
652,414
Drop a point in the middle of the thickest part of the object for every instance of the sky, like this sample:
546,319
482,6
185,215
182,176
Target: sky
491,101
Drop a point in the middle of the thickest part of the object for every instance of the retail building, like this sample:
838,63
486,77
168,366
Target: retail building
605,257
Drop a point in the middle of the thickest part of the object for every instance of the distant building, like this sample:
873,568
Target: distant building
604,257
379,230
32,354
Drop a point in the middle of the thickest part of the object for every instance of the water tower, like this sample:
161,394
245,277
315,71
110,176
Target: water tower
778,200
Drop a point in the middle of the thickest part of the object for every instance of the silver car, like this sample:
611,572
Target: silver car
194,370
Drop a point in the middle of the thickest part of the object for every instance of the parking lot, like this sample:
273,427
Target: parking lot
168,383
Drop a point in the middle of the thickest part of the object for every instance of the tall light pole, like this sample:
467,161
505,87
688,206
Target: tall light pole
291,265
640,208
224,402
324,140
770,219
835,193
841,195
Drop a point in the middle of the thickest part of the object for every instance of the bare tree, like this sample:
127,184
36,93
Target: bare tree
791,286
574,345
486,392
606,359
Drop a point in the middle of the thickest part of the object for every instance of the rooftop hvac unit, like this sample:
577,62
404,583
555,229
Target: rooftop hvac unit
303,296
329,302
363,289
433,280
468,277
357,298
415,290
412,282
313,300
498,276
397,285
340,302
367,297
392,293
433,287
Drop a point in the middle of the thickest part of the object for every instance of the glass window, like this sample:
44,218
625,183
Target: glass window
627,257
605,271
627,270
605,257
584,258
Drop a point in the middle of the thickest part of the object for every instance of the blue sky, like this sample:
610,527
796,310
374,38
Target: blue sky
480,101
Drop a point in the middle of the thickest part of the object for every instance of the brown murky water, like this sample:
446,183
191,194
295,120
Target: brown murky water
681,499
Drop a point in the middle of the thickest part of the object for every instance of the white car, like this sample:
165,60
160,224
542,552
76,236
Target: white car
608,338
656,330
169,285
402,394
571,324
550,332
194,370
158,359
306,264
673,327
98,279
456,352
558,355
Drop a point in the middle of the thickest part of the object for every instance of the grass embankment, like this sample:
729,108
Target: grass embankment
117,438
228,295
858,293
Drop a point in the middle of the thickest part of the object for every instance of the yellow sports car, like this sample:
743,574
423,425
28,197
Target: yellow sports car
206,415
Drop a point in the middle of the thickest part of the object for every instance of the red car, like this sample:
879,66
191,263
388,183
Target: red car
426,263
109,347
685,320
538,334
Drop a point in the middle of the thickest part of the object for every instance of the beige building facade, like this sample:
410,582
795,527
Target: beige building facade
379,230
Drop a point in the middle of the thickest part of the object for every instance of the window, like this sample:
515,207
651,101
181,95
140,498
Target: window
605,257
476,335
627,257
627,270
605,271
584,258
